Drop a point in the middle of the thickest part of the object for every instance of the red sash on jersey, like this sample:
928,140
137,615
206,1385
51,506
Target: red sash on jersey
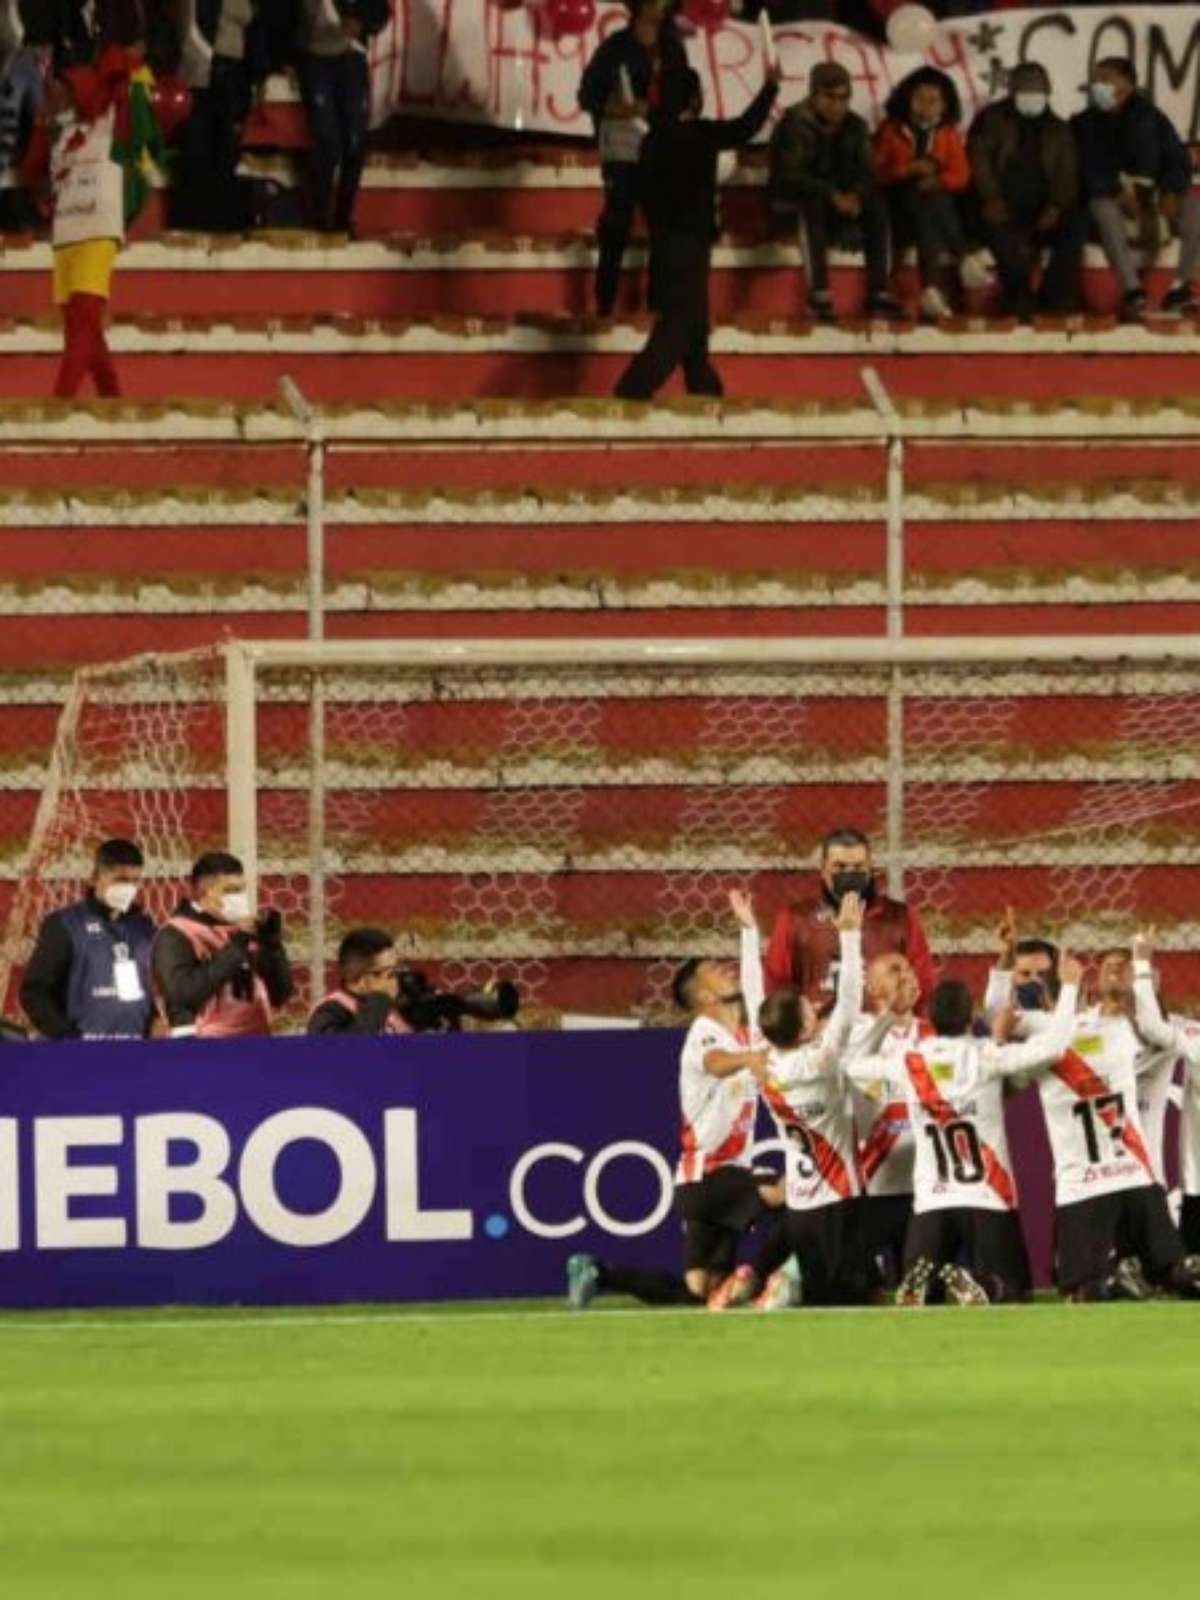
942,1112
1089,1085
724,1155
829,1164
883,1137
889,1124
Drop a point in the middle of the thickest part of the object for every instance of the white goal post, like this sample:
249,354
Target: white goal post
571,813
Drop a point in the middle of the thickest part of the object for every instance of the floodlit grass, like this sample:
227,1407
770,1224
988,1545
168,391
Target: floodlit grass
1049,1451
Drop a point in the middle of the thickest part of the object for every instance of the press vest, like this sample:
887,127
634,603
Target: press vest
98,942
223,1016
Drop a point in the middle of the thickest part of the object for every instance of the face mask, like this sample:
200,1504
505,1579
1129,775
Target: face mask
853,881
235,906
1031,996
119,897
1031,102
1104,96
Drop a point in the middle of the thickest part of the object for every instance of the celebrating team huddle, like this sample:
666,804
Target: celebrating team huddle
898,1183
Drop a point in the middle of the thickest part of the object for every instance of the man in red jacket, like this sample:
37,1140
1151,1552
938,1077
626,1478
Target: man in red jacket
804,941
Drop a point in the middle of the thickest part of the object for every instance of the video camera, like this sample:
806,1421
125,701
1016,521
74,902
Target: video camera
430,1010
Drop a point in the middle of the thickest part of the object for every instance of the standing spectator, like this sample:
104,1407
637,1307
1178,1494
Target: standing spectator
679,182
104,135
627,80
1026,176
205,192
219,971
20,106
89,974
336,88
365,999
804,942
921,160
1136,168
821,171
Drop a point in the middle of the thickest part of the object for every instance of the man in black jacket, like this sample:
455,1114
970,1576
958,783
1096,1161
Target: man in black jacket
679,185
365,1001
219,970
632,72
1135,166
89,974
1025,172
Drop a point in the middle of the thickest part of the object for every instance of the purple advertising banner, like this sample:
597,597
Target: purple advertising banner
317,1170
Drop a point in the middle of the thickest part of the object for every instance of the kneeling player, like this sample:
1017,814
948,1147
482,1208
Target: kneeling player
965,1231
1181,1036
809,1098
717,1195
1111,1215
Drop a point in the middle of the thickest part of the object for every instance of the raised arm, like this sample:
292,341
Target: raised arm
848,1004
1151,1024
750,965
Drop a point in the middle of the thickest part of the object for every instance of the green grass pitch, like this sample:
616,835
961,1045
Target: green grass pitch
1048,1451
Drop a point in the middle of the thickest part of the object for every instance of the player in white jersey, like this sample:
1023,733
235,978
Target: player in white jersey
1111,1212
965,1231
808,1095
1179,1038
885,1150
717,1194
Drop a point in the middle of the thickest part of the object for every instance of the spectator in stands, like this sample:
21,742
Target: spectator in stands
98,183
365,1000
20,106
1136,169
336,89
1025,173
921,161
89,974
65,27
804,942
205,192
679,185
220,971
821,172
628,78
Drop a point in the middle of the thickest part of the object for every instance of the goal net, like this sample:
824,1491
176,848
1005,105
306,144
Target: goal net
572,816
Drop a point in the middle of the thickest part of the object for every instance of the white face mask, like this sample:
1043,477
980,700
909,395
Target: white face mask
1031,102
119,897
1104,96
235,906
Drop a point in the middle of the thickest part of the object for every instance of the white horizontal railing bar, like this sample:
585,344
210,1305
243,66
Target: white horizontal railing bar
950,650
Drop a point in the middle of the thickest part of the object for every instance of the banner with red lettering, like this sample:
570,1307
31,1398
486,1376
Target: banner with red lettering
471,61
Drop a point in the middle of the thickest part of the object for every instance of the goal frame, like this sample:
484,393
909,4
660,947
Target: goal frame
245,658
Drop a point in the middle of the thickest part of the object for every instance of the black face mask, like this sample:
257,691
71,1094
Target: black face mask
1031,996
853,880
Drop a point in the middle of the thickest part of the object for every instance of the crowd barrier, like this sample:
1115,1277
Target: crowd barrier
306,1171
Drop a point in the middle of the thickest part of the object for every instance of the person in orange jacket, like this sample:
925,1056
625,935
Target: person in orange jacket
921,163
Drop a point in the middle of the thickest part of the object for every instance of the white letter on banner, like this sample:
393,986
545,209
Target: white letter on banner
158,1180
516,1191
10,1190
356,1186
405,1219
591,1185
57,1182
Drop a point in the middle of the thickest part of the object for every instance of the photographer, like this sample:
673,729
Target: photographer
370,987
220,972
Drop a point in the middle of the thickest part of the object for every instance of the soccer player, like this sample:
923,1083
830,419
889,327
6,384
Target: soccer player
1111,1213
808,1095
1176,1037
889,1028
717,1194
965,1231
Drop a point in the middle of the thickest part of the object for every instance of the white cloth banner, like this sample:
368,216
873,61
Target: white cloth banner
469,61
